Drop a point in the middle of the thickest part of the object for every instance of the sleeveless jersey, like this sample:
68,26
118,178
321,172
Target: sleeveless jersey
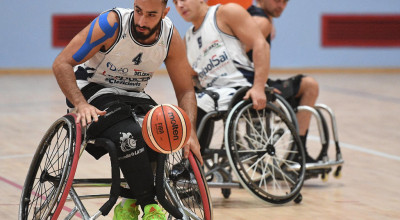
128,64
218,58
256,11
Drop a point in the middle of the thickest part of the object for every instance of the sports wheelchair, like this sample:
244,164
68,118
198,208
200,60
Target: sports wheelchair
182,192
262,148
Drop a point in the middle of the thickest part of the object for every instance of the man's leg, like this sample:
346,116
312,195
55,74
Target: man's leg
299,90
133,156
308,94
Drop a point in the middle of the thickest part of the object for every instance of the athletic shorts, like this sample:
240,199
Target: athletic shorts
288,88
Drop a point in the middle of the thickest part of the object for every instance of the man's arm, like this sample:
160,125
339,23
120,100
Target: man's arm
101,33
180,73
235,20
264,24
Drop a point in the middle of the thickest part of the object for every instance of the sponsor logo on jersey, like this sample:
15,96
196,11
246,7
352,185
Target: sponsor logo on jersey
213,63
199,42
113,68
129,81
214,44
141,73
210,84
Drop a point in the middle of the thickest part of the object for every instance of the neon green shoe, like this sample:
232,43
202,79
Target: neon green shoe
153,212
130,211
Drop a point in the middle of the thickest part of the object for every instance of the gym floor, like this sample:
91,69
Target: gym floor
367,108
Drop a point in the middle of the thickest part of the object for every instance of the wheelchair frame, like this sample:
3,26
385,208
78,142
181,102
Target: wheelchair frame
324,165
274,182
184,194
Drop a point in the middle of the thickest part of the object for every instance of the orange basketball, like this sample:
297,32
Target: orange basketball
166,128
244,3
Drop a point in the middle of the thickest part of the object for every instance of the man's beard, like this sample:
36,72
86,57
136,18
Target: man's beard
140,35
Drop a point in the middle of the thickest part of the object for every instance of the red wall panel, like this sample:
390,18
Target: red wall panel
65,27
360,30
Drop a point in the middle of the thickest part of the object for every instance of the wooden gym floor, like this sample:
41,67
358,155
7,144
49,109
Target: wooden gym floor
367,108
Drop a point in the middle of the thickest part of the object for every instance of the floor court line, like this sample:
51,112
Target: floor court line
16,185
361,149
311,137
362,94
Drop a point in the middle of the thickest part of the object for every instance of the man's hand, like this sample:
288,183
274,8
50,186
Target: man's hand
258,97
87,113
194,146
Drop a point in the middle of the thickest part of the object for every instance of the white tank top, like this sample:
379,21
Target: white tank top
218,58
128,64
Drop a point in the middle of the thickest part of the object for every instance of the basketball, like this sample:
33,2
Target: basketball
244,3
166,128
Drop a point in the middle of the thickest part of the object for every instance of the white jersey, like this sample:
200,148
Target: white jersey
128,64
218,58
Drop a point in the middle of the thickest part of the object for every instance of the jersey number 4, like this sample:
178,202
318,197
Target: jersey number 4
138,59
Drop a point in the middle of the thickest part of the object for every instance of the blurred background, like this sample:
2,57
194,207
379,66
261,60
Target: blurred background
309,34
351,47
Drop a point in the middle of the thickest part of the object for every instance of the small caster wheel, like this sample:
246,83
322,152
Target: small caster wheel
338,172
298,199
324,177
226,193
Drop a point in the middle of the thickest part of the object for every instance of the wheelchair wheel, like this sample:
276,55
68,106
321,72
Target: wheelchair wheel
265,152
51,171
186,187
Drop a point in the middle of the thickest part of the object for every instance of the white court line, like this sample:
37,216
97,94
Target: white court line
358,148
310,137
15,156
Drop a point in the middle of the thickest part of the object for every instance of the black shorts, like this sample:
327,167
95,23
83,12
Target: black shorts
120,107
288,87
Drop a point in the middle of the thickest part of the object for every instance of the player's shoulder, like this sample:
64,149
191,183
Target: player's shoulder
230,14
232,11
231,8
117,13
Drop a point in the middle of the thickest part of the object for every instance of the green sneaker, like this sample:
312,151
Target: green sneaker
153,212
130,211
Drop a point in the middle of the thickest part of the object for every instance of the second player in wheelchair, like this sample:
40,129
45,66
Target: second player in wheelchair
302,95
216,46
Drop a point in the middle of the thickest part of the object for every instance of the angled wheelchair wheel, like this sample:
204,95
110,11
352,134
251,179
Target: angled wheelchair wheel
51,171
265,152
186,187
